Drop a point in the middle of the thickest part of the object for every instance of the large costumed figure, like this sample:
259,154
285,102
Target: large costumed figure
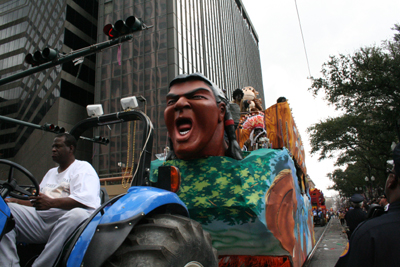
220,188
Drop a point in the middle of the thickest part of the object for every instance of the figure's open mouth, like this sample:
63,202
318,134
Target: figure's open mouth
183,126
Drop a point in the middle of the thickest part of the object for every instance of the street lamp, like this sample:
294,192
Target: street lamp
370,180
367,179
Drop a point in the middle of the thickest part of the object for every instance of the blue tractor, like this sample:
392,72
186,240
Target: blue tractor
147,226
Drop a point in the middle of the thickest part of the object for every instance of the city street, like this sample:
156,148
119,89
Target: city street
331,246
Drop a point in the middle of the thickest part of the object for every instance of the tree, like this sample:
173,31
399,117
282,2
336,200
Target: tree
365,88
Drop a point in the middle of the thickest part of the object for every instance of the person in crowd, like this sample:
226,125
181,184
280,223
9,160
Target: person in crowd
375,242
320,213
68,194
356,215
341,218
384,203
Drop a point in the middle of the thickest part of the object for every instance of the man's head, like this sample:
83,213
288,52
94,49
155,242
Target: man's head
281,99
383,201
63,148
392,186
356,200
194,116
238,94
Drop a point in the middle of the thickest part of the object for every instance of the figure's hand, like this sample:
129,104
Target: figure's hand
41,202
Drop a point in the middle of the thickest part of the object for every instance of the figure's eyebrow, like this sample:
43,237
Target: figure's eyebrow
188,94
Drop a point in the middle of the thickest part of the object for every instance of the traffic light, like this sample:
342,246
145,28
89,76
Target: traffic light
53,128
101,140
121,27
40,57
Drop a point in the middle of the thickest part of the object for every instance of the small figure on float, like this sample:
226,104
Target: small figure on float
250,101
254,123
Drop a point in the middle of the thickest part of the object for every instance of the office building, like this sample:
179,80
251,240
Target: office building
215,37
56,95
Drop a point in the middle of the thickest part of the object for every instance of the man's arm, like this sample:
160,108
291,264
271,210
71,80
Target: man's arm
44,202
19,201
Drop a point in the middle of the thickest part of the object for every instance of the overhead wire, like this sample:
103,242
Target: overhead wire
302,36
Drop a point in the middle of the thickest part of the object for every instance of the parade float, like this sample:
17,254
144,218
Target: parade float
258,209
318,206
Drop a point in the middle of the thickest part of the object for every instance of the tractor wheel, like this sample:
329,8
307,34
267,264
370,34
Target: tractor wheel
165,241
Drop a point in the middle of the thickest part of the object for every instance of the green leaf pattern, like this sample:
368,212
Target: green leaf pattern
228,198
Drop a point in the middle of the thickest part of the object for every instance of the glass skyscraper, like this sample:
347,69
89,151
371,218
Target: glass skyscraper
215,37
25,27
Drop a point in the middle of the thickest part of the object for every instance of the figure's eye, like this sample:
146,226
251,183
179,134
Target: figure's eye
198,97
171,102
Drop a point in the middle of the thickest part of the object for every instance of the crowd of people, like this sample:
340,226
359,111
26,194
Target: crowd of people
361,209
373,228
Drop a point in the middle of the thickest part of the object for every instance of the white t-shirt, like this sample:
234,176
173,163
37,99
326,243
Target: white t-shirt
79,182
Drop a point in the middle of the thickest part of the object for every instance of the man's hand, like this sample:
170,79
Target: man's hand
42,202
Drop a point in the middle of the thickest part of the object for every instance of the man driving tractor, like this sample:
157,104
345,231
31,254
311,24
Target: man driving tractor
68,195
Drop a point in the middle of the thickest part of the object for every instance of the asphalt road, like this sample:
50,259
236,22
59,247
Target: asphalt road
330,247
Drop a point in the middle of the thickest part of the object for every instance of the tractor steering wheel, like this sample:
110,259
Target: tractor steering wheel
10,186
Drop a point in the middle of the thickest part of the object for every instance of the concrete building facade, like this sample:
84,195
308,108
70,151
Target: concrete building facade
214,37
57,95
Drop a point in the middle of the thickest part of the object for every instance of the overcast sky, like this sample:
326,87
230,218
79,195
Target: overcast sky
329,28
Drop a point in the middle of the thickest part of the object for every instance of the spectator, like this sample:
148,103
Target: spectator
375,242
384,203
356,215
341,217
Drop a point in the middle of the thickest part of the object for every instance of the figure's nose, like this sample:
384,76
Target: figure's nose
182,103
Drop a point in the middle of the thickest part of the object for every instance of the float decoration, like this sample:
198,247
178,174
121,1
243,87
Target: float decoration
242,204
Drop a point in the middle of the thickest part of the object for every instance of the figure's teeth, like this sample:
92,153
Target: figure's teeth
184,132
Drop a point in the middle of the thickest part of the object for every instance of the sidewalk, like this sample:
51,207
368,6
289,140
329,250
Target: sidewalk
330,247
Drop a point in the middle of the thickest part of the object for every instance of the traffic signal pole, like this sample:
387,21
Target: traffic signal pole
47,127
60,60
24,123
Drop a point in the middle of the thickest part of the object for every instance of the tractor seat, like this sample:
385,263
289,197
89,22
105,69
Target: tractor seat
103,195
